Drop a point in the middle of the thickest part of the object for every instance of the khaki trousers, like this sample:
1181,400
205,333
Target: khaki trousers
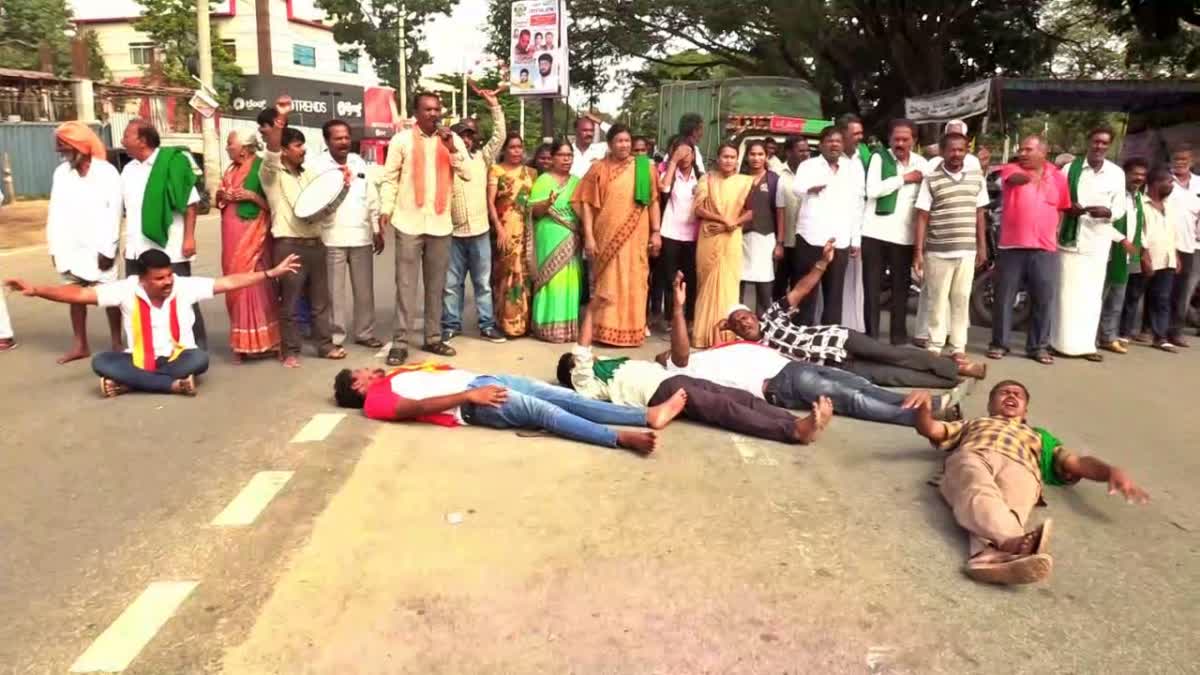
420,258
358,262
990,494
947,289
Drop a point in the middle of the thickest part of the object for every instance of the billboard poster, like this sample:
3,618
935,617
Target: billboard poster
539,58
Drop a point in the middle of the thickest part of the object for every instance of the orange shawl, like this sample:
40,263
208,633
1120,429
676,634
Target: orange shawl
444,177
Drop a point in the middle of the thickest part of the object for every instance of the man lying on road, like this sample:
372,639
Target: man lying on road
849,350
631,382
765,373
157,314
994,476
438,394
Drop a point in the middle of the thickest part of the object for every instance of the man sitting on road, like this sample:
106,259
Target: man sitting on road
994,476
438,394
849,350
797,385
158,318
631,382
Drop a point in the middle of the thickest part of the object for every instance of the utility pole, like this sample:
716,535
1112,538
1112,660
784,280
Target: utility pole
403,65
547,119
208,125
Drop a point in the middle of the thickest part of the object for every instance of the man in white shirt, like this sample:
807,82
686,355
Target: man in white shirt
893,179
1086,236
352,238
1159,261
585,147
83,224
157,311
970,162
1186,197
795,151
830,194
142,197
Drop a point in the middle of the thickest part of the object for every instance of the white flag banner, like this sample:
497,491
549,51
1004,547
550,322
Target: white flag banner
960,102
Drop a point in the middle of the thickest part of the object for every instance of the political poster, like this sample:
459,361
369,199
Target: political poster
538,64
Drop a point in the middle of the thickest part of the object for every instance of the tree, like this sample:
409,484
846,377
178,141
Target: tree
171,24
27,25
97,69
375,24
1160,34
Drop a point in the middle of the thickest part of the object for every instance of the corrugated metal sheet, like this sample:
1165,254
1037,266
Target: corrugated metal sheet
30,148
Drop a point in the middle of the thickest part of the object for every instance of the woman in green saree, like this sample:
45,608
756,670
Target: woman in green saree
558,277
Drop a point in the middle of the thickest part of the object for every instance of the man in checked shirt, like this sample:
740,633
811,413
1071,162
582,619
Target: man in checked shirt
841,347
994,472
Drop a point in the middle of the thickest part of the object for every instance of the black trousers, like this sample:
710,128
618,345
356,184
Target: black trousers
677,256
876,254
184,269
1157,291
891,366
1181,294
729,408
783,274
804,258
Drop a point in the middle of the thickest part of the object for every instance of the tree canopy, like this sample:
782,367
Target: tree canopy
171,24
27,25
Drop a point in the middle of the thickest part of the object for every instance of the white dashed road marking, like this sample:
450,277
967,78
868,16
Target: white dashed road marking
750,452
318,427
121,642
253,498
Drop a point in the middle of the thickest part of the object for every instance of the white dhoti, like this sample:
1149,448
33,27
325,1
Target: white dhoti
852,296
1080,299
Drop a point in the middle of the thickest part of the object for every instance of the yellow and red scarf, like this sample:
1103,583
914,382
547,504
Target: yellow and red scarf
143,335
441,196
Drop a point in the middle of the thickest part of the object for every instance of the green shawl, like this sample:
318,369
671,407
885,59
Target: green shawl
864,155
642,188
167,190
1118,260
604,369
1050,443
249,210
1068,234
886,205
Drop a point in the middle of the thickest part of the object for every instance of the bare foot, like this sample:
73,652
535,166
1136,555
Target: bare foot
112,388
185,387
74,355
659,416
975,370
808,428
641,442
291,362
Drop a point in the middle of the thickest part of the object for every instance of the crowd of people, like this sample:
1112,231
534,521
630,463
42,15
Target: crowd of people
592,243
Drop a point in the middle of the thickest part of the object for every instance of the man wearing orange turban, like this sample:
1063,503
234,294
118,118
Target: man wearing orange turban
83,224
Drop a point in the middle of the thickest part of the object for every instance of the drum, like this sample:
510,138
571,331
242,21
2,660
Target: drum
321,198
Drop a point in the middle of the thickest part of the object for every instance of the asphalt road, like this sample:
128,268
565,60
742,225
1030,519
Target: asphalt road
720,554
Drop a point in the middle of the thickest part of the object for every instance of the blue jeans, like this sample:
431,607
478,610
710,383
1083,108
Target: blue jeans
562,412
1110,312
799,384
1157,292
468,255
119,366
1037,270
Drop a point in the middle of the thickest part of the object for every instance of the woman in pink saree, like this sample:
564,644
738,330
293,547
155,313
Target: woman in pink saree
245,229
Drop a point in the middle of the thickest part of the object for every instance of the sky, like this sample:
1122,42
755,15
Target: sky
461,38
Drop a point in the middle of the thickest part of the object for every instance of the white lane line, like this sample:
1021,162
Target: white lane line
318,427
749,451
383,352
121,642
253,498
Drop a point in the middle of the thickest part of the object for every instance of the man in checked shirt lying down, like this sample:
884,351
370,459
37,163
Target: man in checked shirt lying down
839,347
994,472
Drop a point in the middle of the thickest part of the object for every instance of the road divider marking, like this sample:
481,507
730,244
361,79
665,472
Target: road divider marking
384,352
318,427
750,452
253,498
122,641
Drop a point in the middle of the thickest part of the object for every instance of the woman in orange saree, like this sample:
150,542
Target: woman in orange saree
721,209
245,227
618,203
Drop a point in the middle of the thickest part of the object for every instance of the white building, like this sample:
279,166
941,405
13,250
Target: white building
292,51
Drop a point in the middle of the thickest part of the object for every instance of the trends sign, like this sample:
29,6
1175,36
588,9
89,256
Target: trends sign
313,102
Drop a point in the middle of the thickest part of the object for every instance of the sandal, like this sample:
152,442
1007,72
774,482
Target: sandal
335,354
1018,570
1166,347
397,356
997,352
1094,357
371,343
439,348
1043,357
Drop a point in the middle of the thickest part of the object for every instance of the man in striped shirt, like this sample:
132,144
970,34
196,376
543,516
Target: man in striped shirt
950,242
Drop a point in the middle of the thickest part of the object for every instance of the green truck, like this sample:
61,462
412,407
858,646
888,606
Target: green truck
741,109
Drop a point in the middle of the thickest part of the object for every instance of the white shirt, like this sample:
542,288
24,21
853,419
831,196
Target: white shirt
836,211
84,219
420,384
678,221
584,158
1186,214
1106,188
741,365
186,292
134,177
1159,234
791,204
357,217
925,201
897,226
969,162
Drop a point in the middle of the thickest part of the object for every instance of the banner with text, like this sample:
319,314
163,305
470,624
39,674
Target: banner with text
538,63
961,102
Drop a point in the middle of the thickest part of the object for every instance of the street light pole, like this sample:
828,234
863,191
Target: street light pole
403,65
208,125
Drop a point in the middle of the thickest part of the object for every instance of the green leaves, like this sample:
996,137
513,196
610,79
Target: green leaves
171,24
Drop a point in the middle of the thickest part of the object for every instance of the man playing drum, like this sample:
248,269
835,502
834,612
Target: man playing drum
284,177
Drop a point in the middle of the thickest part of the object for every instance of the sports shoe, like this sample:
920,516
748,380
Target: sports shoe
491,335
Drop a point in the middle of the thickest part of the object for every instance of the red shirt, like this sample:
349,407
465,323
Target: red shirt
1032,211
